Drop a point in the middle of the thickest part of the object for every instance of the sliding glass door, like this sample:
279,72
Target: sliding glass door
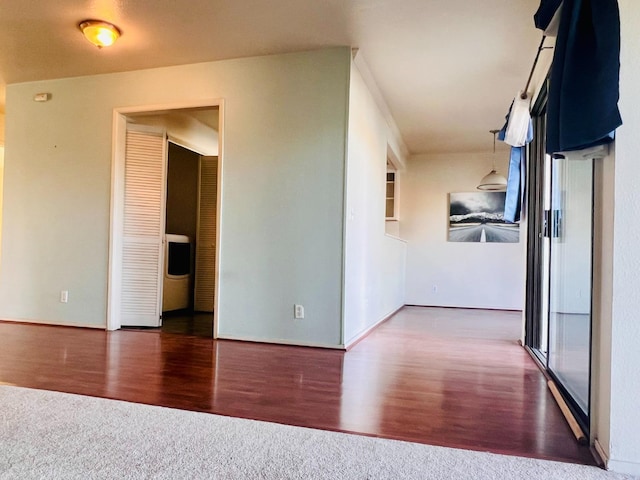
538,204
559,208
568,357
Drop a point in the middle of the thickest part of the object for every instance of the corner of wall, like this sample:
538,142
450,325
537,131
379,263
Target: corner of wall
345,200
373,263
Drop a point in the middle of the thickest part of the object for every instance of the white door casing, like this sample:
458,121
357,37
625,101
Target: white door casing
115,288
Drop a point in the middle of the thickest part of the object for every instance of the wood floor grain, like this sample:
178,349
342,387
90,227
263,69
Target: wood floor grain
197,324
447,377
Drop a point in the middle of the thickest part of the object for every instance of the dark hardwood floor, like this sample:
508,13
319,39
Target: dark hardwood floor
185,322
438,376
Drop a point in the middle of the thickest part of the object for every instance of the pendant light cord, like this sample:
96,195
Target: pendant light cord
493,158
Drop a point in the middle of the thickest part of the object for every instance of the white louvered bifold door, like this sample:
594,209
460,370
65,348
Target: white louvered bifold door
206,235
144,220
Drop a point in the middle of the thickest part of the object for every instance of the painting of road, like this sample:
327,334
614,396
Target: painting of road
479,217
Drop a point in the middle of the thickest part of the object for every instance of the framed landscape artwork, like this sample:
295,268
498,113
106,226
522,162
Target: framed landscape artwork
479,217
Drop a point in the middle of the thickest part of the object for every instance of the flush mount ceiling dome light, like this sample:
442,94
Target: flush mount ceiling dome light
493,181
101,34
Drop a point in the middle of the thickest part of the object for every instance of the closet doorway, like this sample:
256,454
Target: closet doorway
165,219
190,240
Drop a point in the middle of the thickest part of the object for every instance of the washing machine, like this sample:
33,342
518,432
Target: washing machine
178,272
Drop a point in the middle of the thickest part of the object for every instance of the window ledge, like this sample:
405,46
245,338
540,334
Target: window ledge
395,238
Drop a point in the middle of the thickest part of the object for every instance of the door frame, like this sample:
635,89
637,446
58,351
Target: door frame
536,230
539,225
116,222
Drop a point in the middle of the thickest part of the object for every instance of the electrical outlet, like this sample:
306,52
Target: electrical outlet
298,311
64,296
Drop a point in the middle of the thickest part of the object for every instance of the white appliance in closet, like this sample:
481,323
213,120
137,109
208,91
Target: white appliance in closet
178,272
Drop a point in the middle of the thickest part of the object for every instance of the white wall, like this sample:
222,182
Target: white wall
374,262
604,173
282,191
623,445
477,275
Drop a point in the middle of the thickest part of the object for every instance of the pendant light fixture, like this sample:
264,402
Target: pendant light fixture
101,34
493,181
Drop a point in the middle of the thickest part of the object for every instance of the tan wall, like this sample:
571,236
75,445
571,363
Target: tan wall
282,187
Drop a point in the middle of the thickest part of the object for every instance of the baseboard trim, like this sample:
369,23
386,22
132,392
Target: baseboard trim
293,343
464,308
361,336
52,323
626,468
602,457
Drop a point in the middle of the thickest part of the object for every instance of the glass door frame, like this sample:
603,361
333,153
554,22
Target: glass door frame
538,225
580,415
536,230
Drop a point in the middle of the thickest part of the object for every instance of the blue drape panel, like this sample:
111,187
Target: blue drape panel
517,174
582,108
515,185
545,13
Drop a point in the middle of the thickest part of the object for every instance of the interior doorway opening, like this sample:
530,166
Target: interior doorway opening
189,244
165,219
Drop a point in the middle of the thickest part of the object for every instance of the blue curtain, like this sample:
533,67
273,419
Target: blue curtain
545,13
582,108
516,179
515,185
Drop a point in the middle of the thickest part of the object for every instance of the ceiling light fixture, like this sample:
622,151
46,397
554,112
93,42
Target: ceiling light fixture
101,34
493,181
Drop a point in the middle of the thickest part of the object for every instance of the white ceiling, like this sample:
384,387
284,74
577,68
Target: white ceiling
448,69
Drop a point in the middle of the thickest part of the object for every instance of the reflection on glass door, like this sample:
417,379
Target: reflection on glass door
545,252
569,314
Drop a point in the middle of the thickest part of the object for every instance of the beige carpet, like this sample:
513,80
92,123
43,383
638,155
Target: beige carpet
50,435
